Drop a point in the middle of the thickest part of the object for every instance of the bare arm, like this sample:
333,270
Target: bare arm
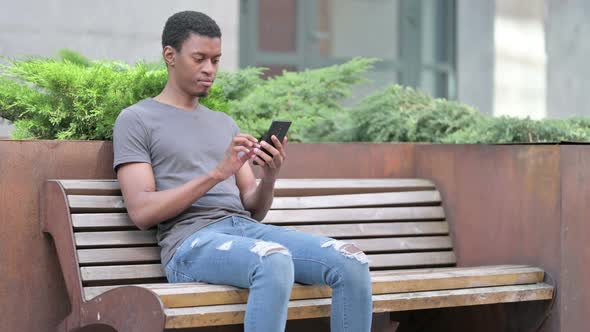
258,198
148,207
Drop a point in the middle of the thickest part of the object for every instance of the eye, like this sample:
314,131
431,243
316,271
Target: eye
215,61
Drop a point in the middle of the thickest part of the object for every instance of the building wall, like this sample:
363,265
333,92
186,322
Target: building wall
124,30
568,47
520,75
475,53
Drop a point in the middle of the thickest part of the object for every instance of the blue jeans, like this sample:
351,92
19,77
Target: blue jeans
268,259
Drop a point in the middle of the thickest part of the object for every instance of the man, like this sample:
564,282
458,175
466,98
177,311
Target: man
186,169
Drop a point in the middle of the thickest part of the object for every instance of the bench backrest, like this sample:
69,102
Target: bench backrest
399,223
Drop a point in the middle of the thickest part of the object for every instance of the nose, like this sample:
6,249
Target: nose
208,67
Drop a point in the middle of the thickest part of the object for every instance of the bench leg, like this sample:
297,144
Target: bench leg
383,323
125,309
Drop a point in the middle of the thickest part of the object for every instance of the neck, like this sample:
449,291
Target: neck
173,95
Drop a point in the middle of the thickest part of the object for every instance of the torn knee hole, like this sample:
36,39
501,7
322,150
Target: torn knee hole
263,248
351,248
347,249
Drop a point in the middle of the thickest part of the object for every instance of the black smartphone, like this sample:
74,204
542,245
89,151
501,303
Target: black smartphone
278,128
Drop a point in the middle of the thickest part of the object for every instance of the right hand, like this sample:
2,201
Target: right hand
243,147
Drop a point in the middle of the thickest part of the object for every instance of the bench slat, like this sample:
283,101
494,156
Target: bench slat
404,243
91,187
96,221
359,200
87,203
414,259
283,187
354,215
198,294
90,203
120,273
116,238
119,255
136,237
83,221
377,229
150,254
303,309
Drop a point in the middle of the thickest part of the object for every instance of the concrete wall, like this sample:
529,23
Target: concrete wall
124,30
520,78
568,47
524,58
475,53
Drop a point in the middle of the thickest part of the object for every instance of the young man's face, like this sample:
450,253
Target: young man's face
195,66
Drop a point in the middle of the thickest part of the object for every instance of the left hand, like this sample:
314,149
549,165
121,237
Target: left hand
271,165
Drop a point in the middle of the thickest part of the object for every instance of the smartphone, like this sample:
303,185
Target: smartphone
278,128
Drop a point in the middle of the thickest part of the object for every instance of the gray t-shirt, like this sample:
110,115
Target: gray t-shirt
180,145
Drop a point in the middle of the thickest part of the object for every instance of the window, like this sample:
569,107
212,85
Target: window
414,38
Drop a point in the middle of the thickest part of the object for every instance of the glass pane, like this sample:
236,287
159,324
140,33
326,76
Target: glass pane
435,83
437,31
349,28
277,26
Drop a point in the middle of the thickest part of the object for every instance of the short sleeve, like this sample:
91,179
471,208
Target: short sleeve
130,140
235,127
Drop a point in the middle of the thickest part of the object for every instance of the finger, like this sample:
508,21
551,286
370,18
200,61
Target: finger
263,155
239,140
278,144
248,137
240,148
269,148
283,152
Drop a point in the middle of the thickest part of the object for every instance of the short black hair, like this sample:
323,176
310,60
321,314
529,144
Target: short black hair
180,25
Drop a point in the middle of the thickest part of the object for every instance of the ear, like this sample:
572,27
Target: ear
169,54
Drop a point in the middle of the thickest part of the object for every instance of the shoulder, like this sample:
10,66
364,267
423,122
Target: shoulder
132,113
221,117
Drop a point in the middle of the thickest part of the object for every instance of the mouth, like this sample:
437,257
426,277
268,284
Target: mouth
205,83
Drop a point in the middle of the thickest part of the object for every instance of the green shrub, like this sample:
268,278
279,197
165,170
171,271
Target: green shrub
401,114
512,130
72,97
75,98
308,98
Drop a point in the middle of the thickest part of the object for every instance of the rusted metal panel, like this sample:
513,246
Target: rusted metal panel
503,204
33,294
353,160
575,250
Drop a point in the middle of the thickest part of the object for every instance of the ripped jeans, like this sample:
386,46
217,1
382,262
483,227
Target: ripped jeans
268,259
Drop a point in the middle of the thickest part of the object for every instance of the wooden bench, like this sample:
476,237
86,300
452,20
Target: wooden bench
113,273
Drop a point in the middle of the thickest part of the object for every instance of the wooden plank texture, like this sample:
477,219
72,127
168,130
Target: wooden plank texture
82,221
377,229
283,187
145,254
136,237
347,215
142,271
303,309
197,294
119,255
116,238
96,221
121,272
90,203
358,200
